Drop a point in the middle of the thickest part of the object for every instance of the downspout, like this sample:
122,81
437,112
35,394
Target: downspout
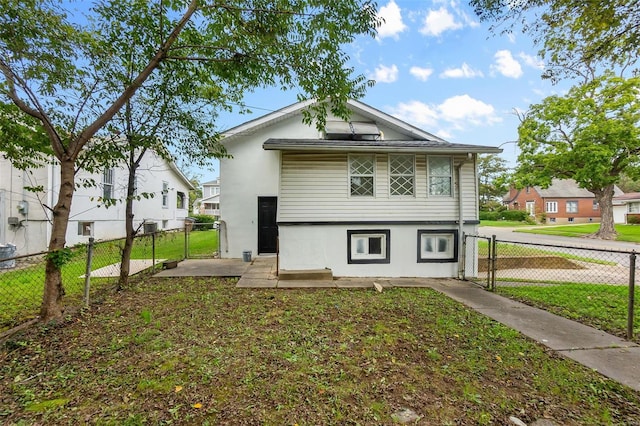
461,254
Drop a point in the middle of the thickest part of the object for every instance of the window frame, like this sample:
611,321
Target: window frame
573,203
351,157
449,176
165,194
451,255
547,204
108,183
180,200
82,228
385,256
402,175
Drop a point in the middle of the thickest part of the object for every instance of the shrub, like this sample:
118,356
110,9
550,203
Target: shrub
633,219
489,215
515,215
203,218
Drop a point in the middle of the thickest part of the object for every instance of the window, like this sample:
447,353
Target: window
595,205
551,207
440,176
165,224
165,194
572,207
633,207
437,246
361,174
107,184
368,246
180,200
570,220
552,219
401,174
85,229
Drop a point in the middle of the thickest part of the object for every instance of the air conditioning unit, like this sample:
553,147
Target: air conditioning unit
150,227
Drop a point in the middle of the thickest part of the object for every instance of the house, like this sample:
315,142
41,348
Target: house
374,196
562,202
626,208
25,216
210,202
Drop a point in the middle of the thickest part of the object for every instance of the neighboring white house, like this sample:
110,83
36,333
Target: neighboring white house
210,201
25,216
371,197
625,206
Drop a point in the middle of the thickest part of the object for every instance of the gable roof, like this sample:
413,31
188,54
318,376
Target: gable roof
417,138
568,188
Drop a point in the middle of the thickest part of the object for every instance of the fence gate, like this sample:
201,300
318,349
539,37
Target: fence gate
477,266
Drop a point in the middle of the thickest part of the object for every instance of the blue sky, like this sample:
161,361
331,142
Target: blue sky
437,67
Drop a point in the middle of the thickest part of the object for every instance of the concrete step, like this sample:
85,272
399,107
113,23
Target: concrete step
305,274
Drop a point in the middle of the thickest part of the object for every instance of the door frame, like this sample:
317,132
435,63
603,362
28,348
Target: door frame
260,244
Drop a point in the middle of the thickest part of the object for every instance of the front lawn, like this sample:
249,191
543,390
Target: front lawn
630,233
200,351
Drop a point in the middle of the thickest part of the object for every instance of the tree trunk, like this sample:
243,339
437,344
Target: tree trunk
604,197
52,307
125,260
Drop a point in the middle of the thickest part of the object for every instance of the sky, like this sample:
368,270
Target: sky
437,67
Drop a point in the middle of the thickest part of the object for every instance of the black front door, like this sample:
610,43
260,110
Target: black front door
267,227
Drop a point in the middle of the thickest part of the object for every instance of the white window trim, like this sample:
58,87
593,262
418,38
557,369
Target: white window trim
373,176
450,176
82,226
573,203
412,175
165,195
354,235
108,183
451,253
551,206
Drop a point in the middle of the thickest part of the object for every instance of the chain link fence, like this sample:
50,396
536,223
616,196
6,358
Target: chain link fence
592,286
93,269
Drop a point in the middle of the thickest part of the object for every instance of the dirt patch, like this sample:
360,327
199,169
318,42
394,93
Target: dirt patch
530,262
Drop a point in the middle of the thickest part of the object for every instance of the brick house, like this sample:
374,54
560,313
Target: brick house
562,202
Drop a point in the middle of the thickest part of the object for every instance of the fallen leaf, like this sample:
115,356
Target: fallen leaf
498,358
178,389
197,405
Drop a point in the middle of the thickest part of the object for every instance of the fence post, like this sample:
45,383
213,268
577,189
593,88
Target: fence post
463,267
632,289
153,252
493,263
87,272
186,240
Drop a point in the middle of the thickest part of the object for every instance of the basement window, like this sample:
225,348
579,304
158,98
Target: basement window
85,229
437,246
368,246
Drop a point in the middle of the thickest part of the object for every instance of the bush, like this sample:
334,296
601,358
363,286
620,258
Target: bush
514,215
203,218
489,215
633,219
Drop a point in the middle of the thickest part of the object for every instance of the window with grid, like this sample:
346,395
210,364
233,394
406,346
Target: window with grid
440,176
401,174
107,184
572,207
551,207
361,174
633,207
165,194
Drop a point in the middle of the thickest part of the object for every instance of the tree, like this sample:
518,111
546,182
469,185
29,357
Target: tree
58,68
492,179
590,135
571,33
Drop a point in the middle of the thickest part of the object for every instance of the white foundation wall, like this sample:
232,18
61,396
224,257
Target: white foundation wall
325,246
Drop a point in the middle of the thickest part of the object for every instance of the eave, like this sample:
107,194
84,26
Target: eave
322,145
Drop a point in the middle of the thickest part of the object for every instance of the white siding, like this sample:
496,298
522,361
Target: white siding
315,187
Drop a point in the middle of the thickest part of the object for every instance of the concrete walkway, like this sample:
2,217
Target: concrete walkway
609,355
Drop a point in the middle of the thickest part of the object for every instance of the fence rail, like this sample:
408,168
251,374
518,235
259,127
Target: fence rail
593,286
93,269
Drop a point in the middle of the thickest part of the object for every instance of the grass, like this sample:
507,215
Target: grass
200,351
629,233
21,289
520,250
600,306
504,223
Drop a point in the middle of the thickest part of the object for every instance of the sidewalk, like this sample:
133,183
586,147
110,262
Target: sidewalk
611,356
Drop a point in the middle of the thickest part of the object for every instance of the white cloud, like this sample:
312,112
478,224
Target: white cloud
392,25
506,64
439,21
465,71
384,74
417,113
532,61
421,74
463,109
455,113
